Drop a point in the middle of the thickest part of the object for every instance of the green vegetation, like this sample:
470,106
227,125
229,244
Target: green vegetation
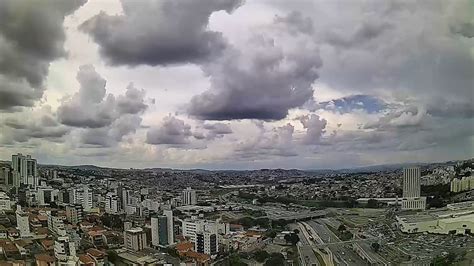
275,259
444,260
248,222
261,256
292,238
375,246
372,203
344,235
345,203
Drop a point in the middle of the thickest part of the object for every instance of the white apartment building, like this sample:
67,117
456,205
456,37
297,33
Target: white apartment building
56,225
25,170
189,197
111,203
170,224
192,226
464,184
23,223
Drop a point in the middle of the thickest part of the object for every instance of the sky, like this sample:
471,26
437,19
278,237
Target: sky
233,84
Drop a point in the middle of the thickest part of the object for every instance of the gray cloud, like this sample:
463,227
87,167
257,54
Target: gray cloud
172,131
31,36
159,32
277,142
262,80
40,124
407,116
315,128
216,130
110,136
90,107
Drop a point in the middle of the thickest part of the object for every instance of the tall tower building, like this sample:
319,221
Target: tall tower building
189,197
170,225
24,170
159,231
22,221
412,189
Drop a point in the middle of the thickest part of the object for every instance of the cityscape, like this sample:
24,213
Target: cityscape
88,215
236,132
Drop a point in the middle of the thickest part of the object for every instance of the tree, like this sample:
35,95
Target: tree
261,255
372,203
275,259
292,238
341,228
296,231
375,246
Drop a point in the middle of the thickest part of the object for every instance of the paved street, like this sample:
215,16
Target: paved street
342,252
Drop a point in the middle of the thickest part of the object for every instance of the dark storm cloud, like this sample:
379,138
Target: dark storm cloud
91,107
172,131
159,32
262,80
31,36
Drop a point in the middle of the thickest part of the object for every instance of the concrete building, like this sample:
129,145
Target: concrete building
189,197
207,243
464,184
170,225
6,177
458,222
25,170
65,251
56,225
135,239
193,227
159,231
411,190
74,213
5,203
111,203
23,223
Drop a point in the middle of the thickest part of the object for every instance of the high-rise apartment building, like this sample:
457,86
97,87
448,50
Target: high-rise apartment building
135,239
188,197
207,242
111,203
170,225
74,213
159,231
412,189
24,170
22,222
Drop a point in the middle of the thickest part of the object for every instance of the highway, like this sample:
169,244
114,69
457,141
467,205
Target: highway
307,256
343,255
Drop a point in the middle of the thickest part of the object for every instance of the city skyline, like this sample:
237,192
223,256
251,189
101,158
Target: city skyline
236,84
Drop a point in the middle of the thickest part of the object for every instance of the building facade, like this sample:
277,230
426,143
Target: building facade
412,199
189,197
135,239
